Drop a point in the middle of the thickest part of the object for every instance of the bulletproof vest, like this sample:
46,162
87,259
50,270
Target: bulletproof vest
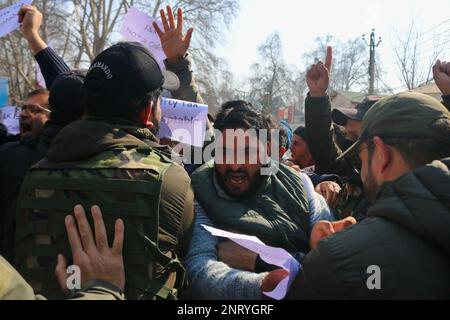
125,184
278,214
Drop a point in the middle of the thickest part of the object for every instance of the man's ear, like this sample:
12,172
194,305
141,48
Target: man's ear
383,154
146,115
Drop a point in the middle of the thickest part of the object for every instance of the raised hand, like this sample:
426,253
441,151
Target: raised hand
319,75
441,73
174,43
30,19
91,253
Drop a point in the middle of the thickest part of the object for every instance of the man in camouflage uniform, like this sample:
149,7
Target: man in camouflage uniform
112,158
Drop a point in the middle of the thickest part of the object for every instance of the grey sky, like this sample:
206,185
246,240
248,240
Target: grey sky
300,22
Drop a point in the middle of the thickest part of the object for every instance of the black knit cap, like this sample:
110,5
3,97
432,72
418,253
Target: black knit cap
127,69
67,89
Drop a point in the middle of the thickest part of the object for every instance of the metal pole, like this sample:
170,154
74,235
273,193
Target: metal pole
372,46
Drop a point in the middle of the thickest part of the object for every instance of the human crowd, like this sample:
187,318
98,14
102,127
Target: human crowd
359,196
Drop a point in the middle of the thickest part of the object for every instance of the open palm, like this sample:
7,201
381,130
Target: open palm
174,43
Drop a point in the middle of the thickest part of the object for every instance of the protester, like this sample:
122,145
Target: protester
302,161
300,154
319,128
402,142
66,102
34,114
325,149
17,157
279,209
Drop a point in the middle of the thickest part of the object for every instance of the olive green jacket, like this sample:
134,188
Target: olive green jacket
111,163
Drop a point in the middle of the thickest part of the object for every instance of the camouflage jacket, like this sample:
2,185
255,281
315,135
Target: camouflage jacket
122,168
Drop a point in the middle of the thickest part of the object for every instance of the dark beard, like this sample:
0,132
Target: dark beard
156,127
254,185
371,188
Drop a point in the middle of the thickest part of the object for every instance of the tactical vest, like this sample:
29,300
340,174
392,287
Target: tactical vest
278,214
126,184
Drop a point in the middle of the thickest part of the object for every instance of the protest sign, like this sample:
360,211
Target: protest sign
138,26
9,116
183,121
274,256
9,19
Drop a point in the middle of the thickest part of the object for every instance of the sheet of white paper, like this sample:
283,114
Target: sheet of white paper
9,116
183,121
9,19
274,256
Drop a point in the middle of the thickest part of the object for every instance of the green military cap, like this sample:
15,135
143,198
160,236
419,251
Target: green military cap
408,115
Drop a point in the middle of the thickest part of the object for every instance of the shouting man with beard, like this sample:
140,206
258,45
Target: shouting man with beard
17,157
34,114
235,193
